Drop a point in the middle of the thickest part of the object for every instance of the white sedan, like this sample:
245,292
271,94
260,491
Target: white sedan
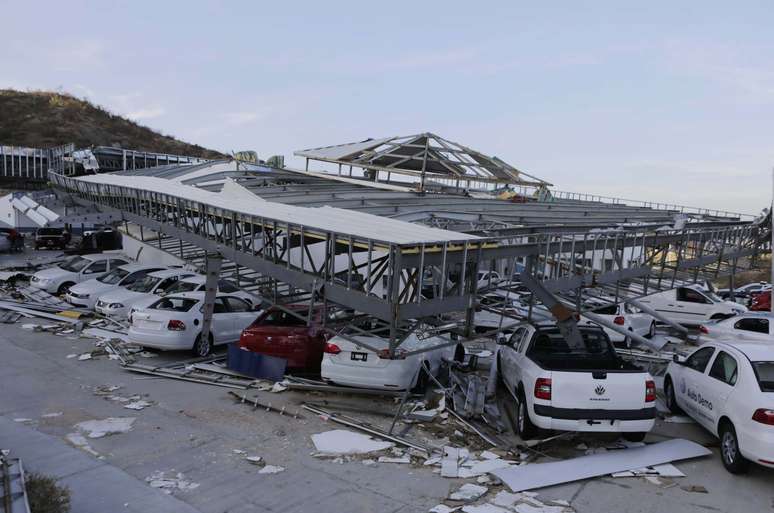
728,389
175,322
85,294
347,363
752,326
57,279
117,304
628,318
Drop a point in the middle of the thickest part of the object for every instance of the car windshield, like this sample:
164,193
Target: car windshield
174,304
113,277
145,285
75,264
764,371
182,286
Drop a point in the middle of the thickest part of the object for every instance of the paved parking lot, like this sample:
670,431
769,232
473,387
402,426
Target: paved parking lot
195,429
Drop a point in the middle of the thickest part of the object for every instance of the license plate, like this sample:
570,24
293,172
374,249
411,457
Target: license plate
359,357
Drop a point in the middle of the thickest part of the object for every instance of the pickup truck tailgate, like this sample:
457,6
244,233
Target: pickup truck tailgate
598,390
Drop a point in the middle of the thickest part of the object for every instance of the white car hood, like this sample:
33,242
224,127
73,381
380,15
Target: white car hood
123,296
53,273
735,306
92,286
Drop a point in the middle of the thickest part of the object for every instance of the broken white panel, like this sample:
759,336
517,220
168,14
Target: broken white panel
79,441
137,405
487,466
468,492
538,475
484,508
108,426
450,462
341,441
666,470
442,508
528,508
402,459
271,469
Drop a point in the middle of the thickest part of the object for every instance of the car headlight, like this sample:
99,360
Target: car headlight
116,305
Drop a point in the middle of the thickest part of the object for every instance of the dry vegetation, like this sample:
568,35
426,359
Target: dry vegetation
41,119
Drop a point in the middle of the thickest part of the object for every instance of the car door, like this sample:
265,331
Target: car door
241,313
222,328
95,270
753,328
718,385
640,321
689,382
691,305
510,358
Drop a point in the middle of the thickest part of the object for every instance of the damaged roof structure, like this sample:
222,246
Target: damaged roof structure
377,246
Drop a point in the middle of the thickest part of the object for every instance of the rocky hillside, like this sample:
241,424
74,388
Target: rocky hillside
43,119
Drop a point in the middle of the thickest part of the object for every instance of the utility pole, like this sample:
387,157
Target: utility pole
771,252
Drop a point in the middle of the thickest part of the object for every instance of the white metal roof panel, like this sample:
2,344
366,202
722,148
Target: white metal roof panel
345,222
340,150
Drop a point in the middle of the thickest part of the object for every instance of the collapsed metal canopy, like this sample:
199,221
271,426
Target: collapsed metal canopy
423,155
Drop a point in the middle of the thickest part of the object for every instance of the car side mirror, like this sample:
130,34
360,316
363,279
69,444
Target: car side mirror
502,340
679,360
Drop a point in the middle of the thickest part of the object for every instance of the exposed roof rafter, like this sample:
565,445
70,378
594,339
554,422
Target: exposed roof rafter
422,154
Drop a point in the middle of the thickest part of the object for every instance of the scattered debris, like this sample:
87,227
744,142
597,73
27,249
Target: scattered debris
80,442
538,475
255,403
468,492
341,441
159,479
271,469
85,356
442,508
255,460
105,427
138,405
402,459
694,489
51,415
23,420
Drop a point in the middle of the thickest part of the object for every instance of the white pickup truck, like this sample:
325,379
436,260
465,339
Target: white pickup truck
586,388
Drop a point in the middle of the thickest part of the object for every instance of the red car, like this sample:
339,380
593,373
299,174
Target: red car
761,301
277,333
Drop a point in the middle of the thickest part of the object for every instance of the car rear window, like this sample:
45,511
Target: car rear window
282,318
552,342
764,371
174,304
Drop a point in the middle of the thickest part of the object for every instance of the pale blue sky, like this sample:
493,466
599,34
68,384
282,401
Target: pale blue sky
670,101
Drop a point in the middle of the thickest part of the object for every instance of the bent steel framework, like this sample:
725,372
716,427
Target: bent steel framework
431,281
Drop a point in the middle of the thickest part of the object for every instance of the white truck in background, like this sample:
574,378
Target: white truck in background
691,305
563,387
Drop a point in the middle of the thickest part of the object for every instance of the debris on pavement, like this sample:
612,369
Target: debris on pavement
105,427
271,469
160,479
78,441
538,475
468,492
341,441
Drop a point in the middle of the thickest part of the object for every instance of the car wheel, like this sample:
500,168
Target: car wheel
524,426
637,436
64,287
652,330
729,450
202,347
669,392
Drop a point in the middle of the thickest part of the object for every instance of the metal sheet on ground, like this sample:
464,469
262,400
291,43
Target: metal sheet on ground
540,475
